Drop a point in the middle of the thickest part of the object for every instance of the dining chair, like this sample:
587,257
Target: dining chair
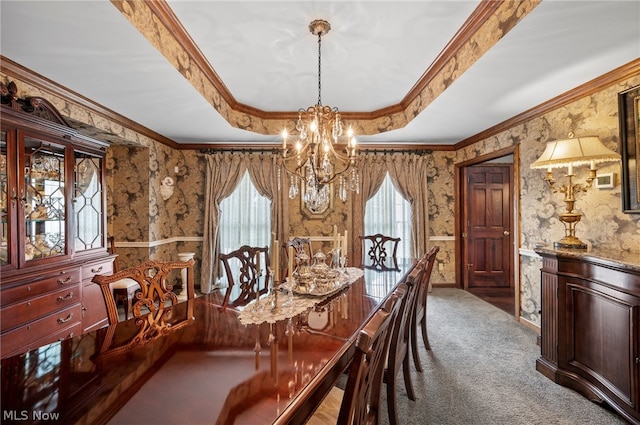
398,356
359,402
155,295
299,245
247,272
420,311
381,252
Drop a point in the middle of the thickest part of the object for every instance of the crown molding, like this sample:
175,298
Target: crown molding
615,76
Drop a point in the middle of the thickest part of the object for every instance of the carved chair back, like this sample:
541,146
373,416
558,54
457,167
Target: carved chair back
299,246
380,251
155,295
247,272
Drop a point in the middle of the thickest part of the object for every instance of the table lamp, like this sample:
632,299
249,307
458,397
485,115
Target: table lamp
569,153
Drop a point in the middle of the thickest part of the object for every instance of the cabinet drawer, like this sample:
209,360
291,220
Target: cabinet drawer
90,270
60,325
63,279
33,308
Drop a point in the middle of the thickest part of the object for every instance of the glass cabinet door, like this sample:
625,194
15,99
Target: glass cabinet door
5,199
87,203
43,197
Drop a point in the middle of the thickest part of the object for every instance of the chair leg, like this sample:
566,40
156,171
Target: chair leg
406,371
392,402
414,347
425,337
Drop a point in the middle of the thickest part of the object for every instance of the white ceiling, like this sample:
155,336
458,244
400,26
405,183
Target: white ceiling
374,54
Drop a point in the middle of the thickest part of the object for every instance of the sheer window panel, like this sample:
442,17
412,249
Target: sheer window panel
245,218
389,213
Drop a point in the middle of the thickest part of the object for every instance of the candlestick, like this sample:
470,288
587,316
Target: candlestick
344,244
276,260
290,268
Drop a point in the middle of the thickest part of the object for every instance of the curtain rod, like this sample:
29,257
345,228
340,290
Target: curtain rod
277,151
239,150
393,151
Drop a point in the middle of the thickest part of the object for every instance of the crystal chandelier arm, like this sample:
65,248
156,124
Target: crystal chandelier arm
295,171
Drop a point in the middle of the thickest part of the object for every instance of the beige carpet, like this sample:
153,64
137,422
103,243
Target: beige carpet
481,371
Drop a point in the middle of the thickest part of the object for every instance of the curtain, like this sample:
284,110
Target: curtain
224,171
270,180
372,170
408,174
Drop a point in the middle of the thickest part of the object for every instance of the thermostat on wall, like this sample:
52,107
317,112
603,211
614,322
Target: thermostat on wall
605,181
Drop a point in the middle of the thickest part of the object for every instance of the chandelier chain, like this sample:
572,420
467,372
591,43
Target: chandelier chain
319,68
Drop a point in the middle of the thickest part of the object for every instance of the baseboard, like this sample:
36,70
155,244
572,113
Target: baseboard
529,324
445,285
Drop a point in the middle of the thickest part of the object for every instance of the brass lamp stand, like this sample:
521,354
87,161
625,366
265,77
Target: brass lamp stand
569,218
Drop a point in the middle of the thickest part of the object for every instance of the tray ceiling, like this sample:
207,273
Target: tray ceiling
376,53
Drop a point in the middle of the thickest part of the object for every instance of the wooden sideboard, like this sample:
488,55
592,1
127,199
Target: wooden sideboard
590,337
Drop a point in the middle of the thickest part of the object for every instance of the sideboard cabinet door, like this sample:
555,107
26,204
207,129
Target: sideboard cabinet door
590,329
602,337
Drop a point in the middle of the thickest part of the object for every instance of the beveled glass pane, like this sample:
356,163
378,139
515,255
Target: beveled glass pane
4,199
44,202
88,203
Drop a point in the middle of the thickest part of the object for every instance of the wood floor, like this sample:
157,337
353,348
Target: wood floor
503,298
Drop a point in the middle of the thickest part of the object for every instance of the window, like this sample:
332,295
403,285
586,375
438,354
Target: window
390,214
245,218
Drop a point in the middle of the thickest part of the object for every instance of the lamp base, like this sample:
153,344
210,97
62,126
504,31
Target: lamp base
570,242
569,219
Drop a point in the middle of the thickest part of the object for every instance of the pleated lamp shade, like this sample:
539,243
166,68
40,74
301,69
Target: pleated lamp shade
578,151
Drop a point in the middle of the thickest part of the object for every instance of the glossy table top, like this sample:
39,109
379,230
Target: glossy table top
200,365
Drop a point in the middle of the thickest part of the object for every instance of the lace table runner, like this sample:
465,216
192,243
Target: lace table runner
291,304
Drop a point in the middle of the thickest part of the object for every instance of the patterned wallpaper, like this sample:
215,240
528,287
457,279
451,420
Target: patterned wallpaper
138,213
603,224
440,184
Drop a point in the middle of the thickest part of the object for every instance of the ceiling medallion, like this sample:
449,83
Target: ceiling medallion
321,154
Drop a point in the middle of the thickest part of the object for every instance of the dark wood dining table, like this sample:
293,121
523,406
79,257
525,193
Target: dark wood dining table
198,365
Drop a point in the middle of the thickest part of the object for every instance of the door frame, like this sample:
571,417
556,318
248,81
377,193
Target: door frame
460,211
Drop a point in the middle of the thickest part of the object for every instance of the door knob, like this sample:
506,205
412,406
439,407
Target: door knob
506,233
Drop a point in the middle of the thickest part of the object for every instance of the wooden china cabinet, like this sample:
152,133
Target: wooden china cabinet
52,207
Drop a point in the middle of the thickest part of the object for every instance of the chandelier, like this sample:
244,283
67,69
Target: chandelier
321,154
